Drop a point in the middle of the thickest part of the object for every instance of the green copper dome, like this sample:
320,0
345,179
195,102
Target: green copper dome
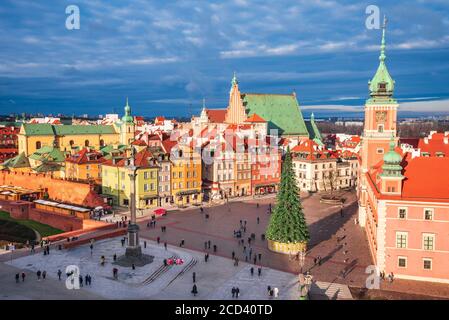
382,84
392,162
127,118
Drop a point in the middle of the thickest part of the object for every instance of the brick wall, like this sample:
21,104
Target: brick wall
26,210
58,189
58,221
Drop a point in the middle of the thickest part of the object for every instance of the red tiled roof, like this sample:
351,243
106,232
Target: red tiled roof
426,177
216,115
168,144
255,118
312,150
82,157
138,143
435,143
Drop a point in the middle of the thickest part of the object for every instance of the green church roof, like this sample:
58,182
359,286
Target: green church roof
281,111
44,129
48,153
19,161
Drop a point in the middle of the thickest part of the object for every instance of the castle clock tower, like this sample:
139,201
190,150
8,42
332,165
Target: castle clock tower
380,123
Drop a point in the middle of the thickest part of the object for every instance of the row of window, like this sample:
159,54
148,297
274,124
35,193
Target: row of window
190,174
427,213
428,241
426,263
189,184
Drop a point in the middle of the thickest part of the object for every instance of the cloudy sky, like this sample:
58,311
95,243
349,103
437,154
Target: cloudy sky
167,55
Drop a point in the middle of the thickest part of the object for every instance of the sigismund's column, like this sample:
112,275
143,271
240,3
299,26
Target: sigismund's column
133,249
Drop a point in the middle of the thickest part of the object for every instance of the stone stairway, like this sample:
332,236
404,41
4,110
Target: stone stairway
331,291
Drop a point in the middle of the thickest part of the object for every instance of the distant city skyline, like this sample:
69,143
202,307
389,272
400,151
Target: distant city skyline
167,57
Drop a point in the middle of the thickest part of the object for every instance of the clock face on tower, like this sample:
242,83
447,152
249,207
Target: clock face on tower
381,116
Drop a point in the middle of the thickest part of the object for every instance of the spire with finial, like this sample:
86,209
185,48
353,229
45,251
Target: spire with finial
382,45
234,80
127,117
382,84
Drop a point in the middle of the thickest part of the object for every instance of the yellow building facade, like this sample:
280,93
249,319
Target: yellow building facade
186,176
116,181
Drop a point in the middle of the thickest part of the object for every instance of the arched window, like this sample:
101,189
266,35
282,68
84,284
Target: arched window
71,142
101,143
86,143
38,145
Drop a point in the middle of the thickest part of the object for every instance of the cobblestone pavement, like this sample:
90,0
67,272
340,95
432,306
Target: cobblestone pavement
214,279
343,261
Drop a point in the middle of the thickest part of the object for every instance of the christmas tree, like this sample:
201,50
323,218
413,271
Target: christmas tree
287,222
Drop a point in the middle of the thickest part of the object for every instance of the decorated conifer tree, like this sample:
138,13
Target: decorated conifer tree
287,222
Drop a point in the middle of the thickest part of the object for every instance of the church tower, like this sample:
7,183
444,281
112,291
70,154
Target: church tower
380,124
235,113
127,127
380,113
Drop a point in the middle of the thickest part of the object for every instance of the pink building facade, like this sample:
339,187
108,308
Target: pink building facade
403,191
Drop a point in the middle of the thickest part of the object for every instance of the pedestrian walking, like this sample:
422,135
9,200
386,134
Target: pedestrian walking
38,273
258,220
145,244
233,292
194,277
23,276
165,245
44,274
123,242
276,292
133,266
259,271
252,271
194,290
268,290
114,257
17,277
237,292
59,274
81,280
233,254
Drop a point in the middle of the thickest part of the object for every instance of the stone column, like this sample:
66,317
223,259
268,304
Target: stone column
133,249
